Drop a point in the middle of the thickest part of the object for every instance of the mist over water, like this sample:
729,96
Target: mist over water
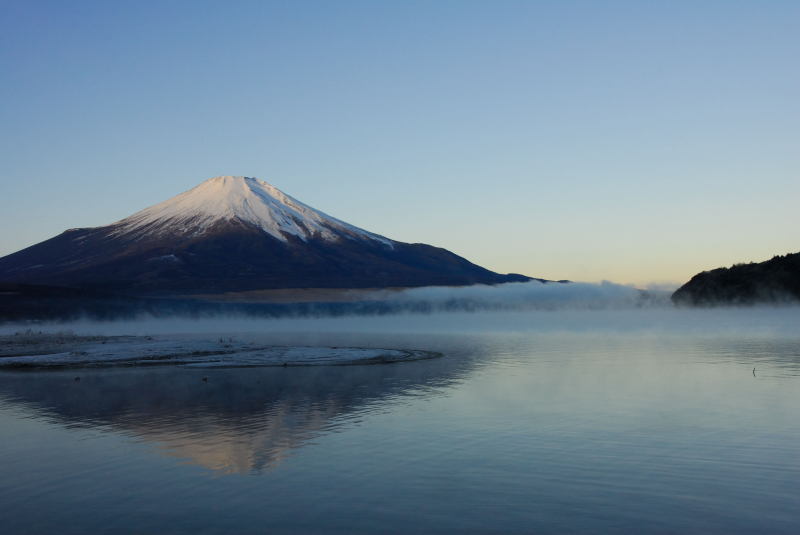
764,321
522,307
563,408
534,294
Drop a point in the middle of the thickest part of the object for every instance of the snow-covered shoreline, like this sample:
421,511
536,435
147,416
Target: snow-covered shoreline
63,350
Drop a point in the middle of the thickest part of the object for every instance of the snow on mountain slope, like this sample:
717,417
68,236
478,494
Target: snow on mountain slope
248,200
232,234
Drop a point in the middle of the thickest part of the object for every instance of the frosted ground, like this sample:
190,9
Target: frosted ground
247,341
43,349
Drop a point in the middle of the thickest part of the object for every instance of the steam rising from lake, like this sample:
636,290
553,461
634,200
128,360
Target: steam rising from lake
533,294
579,399
513,307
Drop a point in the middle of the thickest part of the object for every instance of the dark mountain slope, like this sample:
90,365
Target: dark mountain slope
235,234
774,281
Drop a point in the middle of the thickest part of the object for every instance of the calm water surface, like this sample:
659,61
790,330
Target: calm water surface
529,424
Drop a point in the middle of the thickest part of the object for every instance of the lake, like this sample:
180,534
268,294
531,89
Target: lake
565,421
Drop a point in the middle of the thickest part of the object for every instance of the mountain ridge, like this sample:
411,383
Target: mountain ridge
773,281
249,200
235,234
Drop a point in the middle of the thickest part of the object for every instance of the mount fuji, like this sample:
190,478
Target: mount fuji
235,233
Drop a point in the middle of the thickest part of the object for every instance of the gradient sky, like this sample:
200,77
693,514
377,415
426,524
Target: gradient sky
632,141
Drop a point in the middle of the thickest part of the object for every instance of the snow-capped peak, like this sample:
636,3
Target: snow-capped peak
247,200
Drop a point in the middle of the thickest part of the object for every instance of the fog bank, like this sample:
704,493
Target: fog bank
505,308
533,294
751,320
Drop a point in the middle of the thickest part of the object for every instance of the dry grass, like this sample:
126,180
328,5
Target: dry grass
302,295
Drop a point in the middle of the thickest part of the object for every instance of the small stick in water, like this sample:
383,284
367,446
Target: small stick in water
754,372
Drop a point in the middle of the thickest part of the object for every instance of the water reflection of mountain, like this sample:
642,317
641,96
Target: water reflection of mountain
238,421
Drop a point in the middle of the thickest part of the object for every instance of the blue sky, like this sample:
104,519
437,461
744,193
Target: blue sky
631,141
